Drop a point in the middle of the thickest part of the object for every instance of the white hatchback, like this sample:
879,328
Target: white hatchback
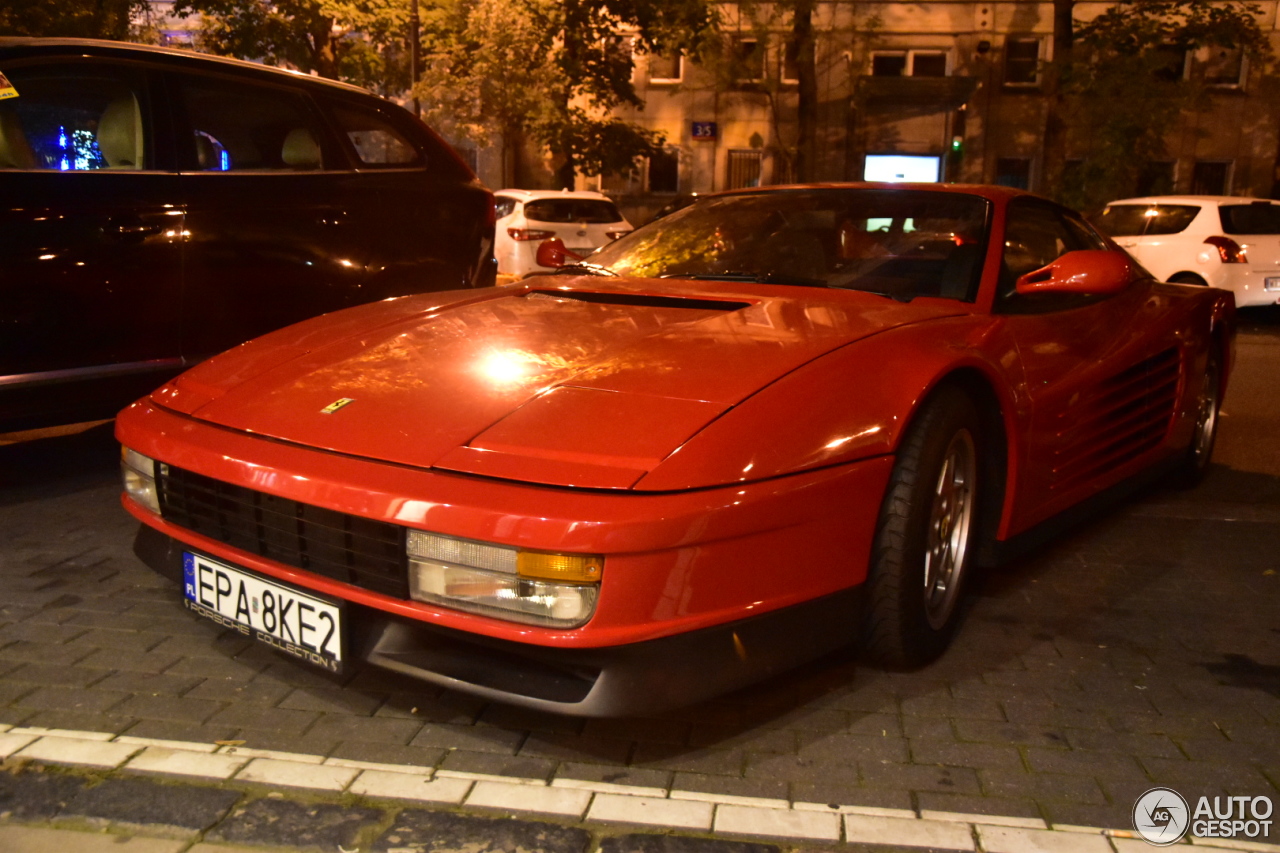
1224,241
584,221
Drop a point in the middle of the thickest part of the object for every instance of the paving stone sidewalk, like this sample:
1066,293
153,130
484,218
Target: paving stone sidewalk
1142,649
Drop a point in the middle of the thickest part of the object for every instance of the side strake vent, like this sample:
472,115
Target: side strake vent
639,299
1127,414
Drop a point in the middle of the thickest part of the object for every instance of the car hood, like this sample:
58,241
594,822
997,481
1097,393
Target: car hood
565,381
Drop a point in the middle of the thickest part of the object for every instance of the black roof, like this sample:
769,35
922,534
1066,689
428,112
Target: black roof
12,47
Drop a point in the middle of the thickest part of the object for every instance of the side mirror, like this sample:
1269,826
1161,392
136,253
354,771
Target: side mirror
552,253
1093,271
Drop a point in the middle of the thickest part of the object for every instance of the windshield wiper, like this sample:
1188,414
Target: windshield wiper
753,277
584,267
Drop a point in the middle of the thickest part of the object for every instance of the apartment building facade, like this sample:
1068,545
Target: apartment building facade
945,90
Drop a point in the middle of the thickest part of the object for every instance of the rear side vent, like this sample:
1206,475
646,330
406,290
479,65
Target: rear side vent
639,299
1126,415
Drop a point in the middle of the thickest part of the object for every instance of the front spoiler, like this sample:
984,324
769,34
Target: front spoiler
611,681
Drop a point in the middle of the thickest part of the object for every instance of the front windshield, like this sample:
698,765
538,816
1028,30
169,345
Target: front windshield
896,242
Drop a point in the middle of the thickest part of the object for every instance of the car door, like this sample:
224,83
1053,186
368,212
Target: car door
91,239
1100,376
270,236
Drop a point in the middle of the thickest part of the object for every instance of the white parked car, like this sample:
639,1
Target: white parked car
584,221
1224,241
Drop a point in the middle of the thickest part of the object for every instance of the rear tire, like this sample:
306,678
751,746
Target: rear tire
1195,464
926,537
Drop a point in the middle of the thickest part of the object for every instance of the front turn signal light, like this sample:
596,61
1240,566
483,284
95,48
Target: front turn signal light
566,568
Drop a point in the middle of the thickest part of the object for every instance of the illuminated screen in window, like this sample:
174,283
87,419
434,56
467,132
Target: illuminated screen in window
896,168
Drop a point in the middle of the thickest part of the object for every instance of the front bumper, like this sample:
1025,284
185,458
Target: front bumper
693,575
630,679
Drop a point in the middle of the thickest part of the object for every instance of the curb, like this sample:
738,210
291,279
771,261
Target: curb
591,803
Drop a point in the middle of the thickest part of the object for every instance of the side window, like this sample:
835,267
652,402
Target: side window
1036,235
504,205
375,140
75,117
239,128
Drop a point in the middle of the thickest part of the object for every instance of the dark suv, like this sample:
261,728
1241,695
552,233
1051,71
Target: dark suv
158,206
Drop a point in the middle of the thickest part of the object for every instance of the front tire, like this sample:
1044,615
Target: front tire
926,537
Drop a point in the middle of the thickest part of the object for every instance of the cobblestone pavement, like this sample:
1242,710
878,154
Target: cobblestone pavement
1142,649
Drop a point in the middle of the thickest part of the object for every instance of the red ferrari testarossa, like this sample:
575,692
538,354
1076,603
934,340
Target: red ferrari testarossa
772,423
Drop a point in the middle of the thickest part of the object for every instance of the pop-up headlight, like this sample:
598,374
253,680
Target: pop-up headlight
139,474
536,587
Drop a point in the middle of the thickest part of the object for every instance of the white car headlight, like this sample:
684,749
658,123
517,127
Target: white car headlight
535,587
139,475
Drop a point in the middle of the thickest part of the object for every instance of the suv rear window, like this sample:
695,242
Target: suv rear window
503,205
572,210
1260,217
1132,220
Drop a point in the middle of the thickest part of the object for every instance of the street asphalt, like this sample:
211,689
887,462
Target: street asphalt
1141,649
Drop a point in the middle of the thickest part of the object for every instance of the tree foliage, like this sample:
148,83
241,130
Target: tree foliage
360,41
551,71
103,19
1124,83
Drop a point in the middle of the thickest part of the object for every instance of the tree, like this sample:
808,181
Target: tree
551,71
1118,82
103,19
804,48
487,74
360,41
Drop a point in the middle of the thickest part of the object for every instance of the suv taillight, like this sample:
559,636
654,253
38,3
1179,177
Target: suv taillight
1229,250
524,235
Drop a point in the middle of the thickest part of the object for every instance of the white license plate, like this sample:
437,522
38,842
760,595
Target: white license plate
286,618
1272,283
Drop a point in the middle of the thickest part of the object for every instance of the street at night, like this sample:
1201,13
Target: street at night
1141,649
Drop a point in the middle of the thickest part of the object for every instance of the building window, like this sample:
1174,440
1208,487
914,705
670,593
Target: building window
748,59
928,63
1013,172
1221,66
1156,178
744,169
888,64
1022,61
909,63
1211,177
619,55
666,67
791,63
664,171
1172,64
